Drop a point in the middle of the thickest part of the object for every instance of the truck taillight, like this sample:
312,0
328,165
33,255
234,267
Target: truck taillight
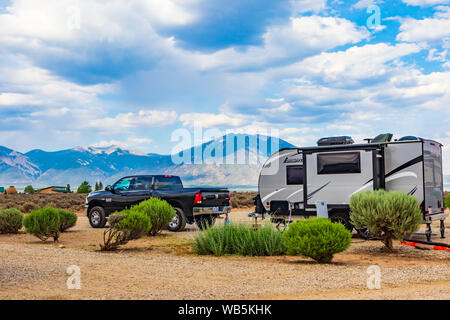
198,198
427,212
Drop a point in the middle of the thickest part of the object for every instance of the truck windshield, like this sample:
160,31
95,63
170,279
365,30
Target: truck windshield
167,183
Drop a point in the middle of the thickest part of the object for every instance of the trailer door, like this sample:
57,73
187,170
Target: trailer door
433,180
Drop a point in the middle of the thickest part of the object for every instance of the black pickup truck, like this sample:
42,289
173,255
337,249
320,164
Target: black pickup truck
192,205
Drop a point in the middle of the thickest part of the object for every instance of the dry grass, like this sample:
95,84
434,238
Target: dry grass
242,199
75,202
164,267
29,202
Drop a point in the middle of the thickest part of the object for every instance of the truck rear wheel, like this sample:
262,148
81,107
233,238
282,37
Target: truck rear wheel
178,222
204,221
97,217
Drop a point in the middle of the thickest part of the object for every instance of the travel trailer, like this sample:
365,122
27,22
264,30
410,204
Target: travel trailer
294,182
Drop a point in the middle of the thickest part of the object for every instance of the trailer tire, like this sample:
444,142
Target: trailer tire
178,222
204,221
97,217
343,218
364,233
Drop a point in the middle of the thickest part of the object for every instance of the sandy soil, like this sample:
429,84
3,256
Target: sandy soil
164,267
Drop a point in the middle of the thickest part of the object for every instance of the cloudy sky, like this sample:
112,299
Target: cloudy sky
129,72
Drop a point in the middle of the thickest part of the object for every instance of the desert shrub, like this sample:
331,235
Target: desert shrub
447,201
242,199
124,226
316,238
241,240
43,223
67,219
29,206
10,220
159,211
390,214
29,202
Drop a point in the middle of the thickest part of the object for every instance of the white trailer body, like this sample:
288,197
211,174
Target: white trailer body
293,180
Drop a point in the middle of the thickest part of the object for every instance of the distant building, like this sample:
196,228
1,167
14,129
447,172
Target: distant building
11,190
53,190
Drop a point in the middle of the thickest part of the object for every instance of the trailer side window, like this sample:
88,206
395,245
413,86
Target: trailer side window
334,163
294,175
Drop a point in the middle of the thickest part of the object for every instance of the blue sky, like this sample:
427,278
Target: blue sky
81,73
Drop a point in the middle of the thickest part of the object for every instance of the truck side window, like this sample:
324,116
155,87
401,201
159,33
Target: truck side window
142,183
123,184
168,183
294,175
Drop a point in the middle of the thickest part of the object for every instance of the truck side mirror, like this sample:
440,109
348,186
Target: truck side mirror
109,188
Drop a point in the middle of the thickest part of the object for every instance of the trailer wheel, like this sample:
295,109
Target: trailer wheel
204,221
343,218
178,222
364,233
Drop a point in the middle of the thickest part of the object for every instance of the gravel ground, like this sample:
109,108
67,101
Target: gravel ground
164,268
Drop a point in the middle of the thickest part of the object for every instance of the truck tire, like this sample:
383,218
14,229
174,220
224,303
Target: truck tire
97,217
178,222
343,218
204,221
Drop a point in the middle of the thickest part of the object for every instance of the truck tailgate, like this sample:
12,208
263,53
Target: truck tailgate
215,198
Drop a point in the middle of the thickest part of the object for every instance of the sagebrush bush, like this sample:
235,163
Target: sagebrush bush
10,220
135,224
316,238
159,211
391,214
67,219
447,202
124,226
241,240
43,223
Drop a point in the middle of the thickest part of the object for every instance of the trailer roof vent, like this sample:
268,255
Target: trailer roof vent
331,141
408,138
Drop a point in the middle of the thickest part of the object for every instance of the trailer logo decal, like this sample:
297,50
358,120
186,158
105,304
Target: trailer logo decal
271,194
314,192
405,165
412,191
400,168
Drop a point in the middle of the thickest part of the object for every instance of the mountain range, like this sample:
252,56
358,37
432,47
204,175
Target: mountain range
72,166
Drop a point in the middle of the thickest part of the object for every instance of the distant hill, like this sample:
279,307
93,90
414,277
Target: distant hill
241,155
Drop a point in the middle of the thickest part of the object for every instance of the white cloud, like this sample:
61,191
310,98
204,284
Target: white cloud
366,62
113,20
363,4
425,3
210,120
436,28
25,84
302,6
434,55
301,37
143,118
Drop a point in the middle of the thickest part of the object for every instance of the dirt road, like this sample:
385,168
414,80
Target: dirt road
164,268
